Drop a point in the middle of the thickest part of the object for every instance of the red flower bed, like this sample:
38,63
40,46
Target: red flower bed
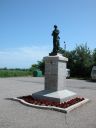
30,99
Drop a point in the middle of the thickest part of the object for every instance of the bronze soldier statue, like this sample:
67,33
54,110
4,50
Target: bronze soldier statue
56,38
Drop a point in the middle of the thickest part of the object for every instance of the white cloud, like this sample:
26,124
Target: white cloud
22,57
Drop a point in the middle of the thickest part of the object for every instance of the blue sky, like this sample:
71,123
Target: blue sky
26,27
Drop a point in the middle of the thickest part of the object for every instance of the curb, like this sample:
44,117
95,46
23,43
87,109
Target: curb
66,110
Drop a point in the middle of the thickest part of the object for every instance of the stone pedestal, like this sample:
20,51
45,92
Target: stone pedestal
55,72
55,80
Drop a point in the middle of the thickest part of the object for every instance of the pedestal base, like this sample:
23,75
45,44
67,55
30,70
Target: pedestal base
55,72
57,96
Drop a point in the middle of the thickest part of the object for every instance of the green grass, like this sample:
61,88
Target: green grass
14,73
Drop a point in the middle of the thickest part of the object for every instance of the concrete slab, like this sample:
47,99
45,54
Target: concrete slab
58,96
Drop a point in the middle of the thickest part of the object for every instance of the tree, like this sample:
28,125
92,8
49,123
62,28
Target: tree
39,66
82,61
79,60
94,57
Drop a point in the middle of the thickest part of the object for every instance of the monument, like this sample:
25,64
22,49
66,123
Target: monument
54,96
55,74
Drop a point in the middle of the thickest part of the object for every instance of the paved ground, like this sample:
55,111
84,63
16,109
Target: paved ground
15,115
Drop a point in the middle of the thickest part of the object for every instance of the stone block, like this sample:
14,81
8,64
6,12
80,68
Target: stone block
56,96
55,72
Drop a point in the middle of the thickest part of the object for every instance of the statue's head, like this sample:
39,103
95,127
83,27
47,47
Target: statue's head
55,26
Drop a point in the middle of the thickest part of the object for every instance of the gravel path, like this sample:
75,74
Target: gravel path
15,115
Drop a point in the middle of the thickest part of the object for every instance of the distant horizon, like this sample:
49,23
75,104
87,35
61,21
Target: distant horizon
39,58
26,27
